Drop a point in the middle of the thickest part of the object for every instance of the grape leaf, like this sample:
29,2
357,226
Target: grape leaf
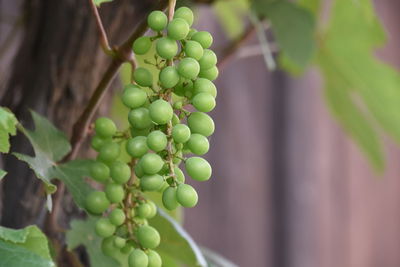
230,15
24,247
2,173
99,2
8,124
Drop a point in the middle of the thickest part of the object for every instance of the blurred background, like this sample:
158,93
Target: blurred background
290,186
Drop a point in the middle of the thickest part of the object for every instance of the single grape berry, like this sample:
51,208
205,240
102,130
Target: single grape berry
140,118
143,77
166,48
178,29
208,60
108,248
189,68
151,163
202,85
198,144
109,152
115,193
169,198
153,209
120,172
144,211
105,127
160,111
151,182
180,133
186,14
139,170
119,242
169,77
148,237
175,120
186,195
157,20
180,177
99,171
141,45
133,97
117,217
98,142
198,168
154,259
204,102
138,258
96,202
104,228
157,141
137,146
201,123
204,38
210,74
194,50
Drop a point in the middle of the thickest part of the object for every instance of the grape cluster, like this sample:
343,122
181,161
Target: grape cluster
167,121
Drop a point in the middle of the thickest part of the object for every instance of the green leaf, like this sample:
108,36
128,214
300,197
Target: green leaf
231,16
2,173
24,247
99,2
216,260
8,124
176,242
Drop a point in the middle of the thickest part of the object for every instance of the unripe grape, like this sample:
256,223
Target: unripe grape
151,163
194,50
180,133
119,242
153,209
99,171
202,85
183,86
180,177
201,123
186,195
128,248
189,68
161,111
177,159
148,236
133,97
191,33
208,60
154,259
141,45
138,258
157,141
157,20
108,248
96,202
169,77
109,152
169,198
143,77
137,146
144,210
210,74
166,48
151,182
198,144
104,228
140,221
198,168
204,102
117,217
98,142
115,192
139,170
178,29
105,127
204,38
175,119
185,13
140,118
120,172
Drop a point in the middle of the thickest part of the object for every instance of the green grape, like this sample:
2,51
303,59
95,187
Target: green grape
204,38
201,123
169,77
105,127
154,259
208,60
137,146
99,171
138,258
108,248
120,172
198,144
178,29
178,105
139,170
161,111
157,20
98,142
128,248
109,152
151,163
148,237
183,86
177,157
157,141
141,45
144,211
202,85
115,193
186,14
180,177
119,242
180,133
143,77
140,118
104,228
186,195
210,74
96,202
153,209
204,102
166,48
151,182
133,96
191,33
194,50
117,217
175,120
140,221
189,68
169,198
198,168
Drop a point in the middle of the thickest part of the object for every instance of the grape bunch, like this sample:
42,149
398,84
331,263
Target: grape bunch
168,122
